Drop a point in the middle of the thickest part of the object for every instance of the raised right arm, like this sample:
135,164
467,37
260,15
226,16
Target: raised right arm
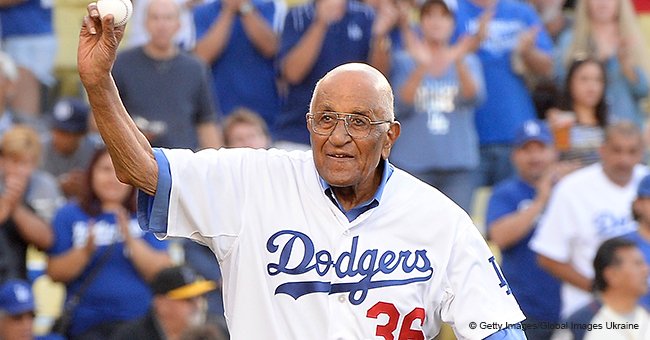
130,151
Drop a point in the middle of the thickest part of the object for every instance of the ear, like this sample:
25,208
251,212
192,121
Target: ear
393,133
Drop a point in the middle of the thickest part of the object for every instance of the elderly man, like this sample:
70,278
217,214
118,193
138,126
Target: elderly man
332,243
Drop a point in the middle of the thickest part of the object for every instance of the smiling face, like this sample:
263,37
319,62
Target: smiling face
342,161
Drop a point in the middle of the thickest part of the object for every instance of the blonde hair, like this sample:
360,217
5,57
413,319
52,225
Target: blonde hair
21,142
582,44
242,115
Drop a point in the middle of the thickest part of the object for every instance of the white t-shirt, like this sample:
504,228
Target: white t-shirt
584,210
295,268
614,326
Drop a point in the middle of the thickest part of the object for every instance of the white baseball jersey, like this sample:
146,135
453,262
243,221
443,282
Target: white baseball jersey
294,267
585,209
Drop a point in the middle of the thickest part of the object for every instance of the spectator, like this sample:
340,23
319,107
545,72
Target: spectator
620,278
178,305
511,30
161,83
641,236
99,246
28,200
586,208
246,129
28,37
186,36
579,121
317,37
233,33
439,86
17,312
69,150
512,215
607,30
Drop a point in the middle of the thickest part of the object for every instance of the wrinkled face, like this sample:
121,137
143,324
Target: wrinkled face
244,135
162,22
619,154
631,273
603,10
17,327
533,159
340,159
105,183
587,85
437,24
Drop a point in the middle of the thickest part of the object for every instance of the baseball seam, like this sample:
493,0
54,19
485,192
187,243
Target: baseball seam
126,16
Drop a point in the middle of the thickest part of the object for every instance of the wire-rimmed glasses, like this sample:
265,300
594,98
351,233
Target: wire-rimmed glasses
356,125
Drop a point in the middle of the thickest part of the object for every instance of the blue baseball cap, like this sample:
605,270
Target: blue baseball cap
644,187
70,115
533,130
16,297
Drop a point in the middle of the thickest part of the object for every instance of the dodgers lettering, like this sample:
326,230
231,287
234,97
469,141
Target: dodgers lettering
369,263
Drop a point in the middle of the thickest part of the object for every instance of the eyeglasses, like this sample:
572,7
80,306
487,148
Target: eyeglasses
356,125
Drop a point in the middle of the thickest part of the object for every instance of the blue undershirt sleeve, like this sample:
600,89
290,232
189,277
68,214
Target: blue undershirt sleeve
508,334
153,210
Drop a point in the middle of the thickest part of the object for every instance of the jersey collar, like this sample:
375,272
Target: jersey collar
373,202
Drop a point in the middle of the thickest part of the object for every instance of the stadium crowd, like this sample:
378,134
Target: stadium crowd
543,103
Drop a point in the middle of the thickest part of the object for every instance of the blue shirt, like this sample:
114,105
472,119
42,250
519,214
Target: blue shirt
346,41
508,103
242,77
117,292
28,18
537,292
355,212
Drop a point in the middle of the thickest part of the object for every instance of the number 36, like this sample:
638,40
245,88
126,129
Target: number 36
405,332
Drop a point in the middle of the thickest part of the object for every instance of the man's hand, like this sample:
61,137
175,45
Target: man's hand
330,11
98,41
388,16
527,39
17,175
231,5
552,176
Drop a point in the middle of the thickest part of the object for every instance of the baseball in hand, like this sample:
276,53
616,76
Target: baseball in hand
120,9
